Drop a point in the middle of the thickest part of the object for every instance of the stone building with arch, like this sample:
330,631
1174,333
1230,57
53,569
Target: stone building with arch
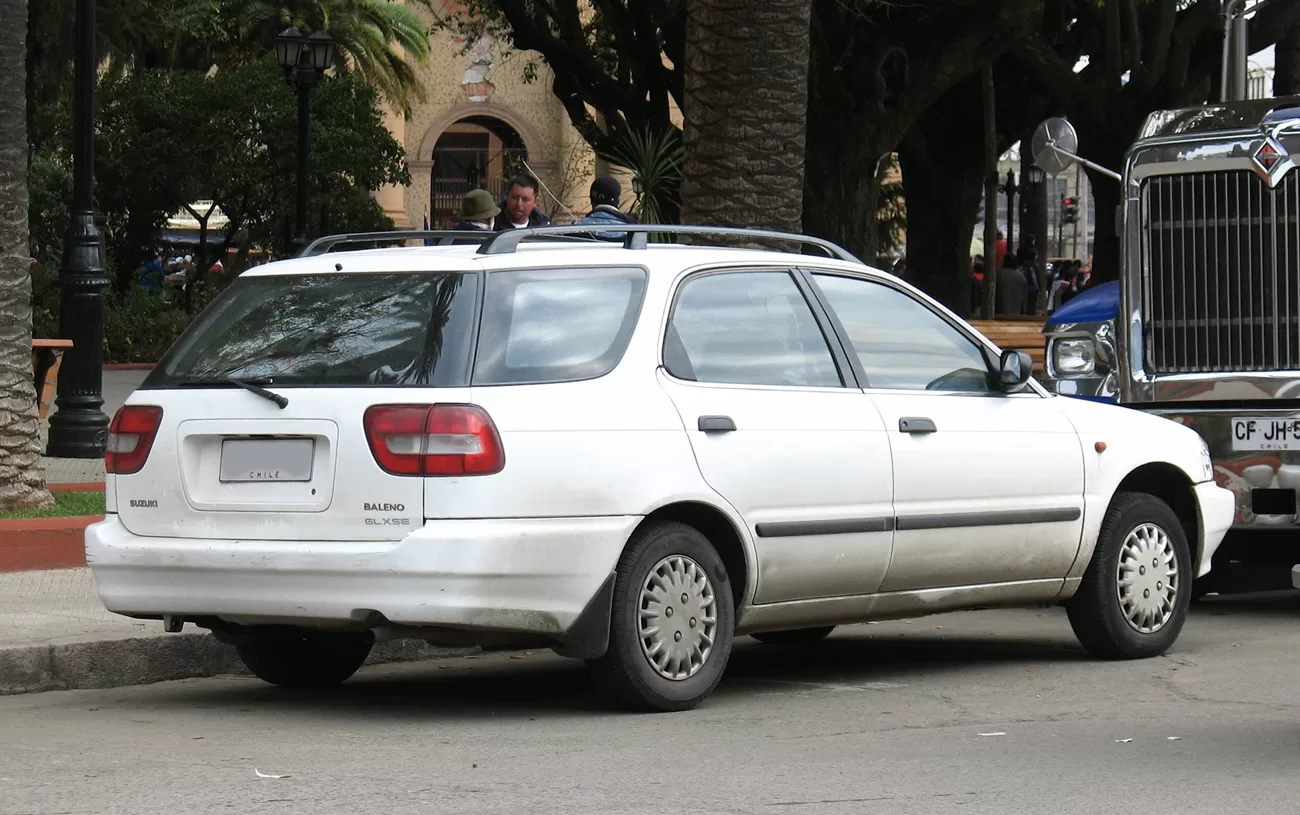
480,124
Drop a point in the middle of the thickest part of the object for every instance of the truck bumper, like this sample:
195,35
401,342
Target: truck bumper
1265,482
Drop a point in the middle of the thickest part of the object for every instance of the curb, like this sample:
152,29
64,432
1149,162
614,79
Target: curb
85,486
118,663
129,366
28,544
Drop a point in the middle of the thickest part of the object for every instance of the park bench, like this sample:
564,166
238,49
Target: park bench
47,355
1017,333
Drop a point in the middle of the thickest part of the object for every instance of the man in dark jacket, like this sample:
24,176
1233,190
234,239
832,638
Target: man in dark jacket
519,210
605,195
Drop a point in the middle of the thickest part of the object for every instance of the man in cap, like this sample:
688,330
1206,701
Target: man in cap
477,211
605,195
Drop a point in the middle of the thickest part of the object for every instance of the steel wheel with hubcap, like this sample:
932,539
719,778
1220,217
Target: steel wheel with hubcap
1133,600
1147,578
678,617
672,621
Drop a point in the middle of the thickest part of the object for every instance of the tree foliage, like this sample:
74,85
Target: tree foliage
383,42
1142,55
167,138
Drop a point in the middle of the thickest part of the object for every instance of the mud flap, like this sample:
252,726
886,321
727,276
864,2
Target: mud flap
588,637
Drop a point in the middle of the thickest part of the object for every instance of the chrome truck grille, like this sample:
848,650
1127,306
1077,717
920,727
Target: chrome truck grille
1221,273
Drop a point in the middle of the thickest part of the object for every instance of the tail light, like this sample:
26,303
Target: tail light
434,440
130,438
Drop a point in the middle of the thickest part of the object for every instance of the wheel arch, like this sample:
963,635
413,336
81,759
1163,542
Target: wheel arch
1170,484
722,531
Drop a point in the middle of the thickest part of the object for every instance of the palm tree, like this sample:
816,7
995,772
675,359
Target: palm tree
22,475
745,107
384,41
376,38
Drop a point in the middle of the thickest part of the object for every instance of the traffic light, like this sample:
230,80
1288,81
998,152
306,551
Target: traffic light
1069,210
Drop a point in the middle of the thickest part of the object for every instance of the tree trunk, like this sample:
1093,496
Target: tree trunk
745,109
1108,151
942,176
990,192
841,190
1286,76
22,474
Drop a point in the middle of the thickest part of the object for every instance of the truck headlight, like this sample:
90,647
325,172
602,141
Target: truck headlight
1074,356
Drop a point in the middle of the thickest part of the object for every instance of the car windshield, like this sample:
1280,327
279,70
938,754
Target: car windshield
337,329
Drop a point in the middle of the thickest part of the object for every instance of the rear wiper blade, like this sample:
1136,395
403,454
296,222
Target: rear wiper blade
251,384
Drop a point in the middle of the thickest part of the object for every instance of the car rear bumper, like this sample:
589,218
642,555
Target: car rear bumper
1218,507
532,576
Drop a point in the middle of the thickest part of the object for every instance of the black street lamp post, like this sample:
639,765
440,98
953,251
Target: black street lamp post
304,60
79,428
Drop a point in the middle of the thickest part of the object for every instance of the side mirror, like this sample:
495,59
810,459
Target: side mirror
1014,370
1053,134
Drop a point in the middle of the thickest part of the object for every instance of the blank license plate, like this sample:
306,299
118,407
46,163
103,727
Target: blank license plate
267,459
1265,434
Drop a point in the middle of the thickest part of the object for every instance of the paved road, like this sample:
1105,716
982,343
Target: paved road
881,718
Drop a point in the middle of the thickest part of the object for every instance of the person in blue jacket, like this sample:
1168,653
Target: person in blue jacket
605,195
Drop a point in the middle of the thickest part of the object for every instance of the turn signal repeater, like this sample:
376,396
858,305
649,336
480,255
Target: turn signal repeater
1100,447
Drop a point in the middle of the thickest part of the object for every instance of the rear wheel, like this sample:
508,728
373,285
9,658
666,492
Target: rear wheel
1134,596
672,621
798,636
303,658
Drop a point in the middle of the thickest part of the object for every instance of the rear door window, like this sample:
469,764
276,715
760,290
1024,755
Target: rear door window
338,329
556,325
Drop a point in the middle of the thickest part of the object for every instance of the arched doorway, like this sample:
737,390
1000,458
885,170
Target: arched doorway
476,152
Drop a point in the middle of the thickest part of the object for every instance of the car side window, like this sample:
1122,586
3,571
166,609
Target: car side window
747,328
901,343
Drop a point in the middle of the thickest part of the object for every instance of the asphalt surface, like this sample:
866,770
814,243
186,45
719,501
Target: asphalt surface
979,712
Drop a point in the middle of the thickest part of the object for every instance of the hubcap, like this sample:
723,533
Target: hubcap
677,617
1148,578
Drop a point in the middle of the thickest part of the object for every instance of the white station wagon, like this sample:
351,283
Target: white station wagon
629,452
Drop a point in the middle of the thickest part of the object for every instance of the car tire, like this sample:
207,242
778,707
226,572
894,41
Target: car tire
798,636
661,658
1133,600
303,658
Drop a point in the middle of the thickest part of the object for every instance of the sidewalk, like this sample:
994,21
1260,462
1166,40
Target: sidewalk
56,635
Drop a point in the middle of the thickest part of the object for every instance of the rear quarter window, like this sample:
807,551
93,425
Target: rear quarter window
556,325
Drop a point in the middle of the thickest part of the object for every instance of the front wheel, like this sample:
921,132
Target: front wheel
304,658
672,621
1133,600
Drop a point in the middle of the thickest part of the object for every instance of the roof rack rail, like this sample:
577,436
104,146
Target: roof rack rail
636,236
439,237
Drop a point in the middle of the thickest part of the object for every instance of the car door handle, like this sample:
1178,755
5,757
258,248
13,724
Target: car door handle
716,424
916,424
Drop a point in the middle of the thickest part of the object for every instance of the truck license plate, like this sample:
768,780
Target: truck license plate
1265,434
266,459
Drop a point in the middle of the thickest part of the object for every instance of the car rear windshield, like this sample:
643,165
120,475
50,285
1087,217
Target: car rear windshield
413,329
